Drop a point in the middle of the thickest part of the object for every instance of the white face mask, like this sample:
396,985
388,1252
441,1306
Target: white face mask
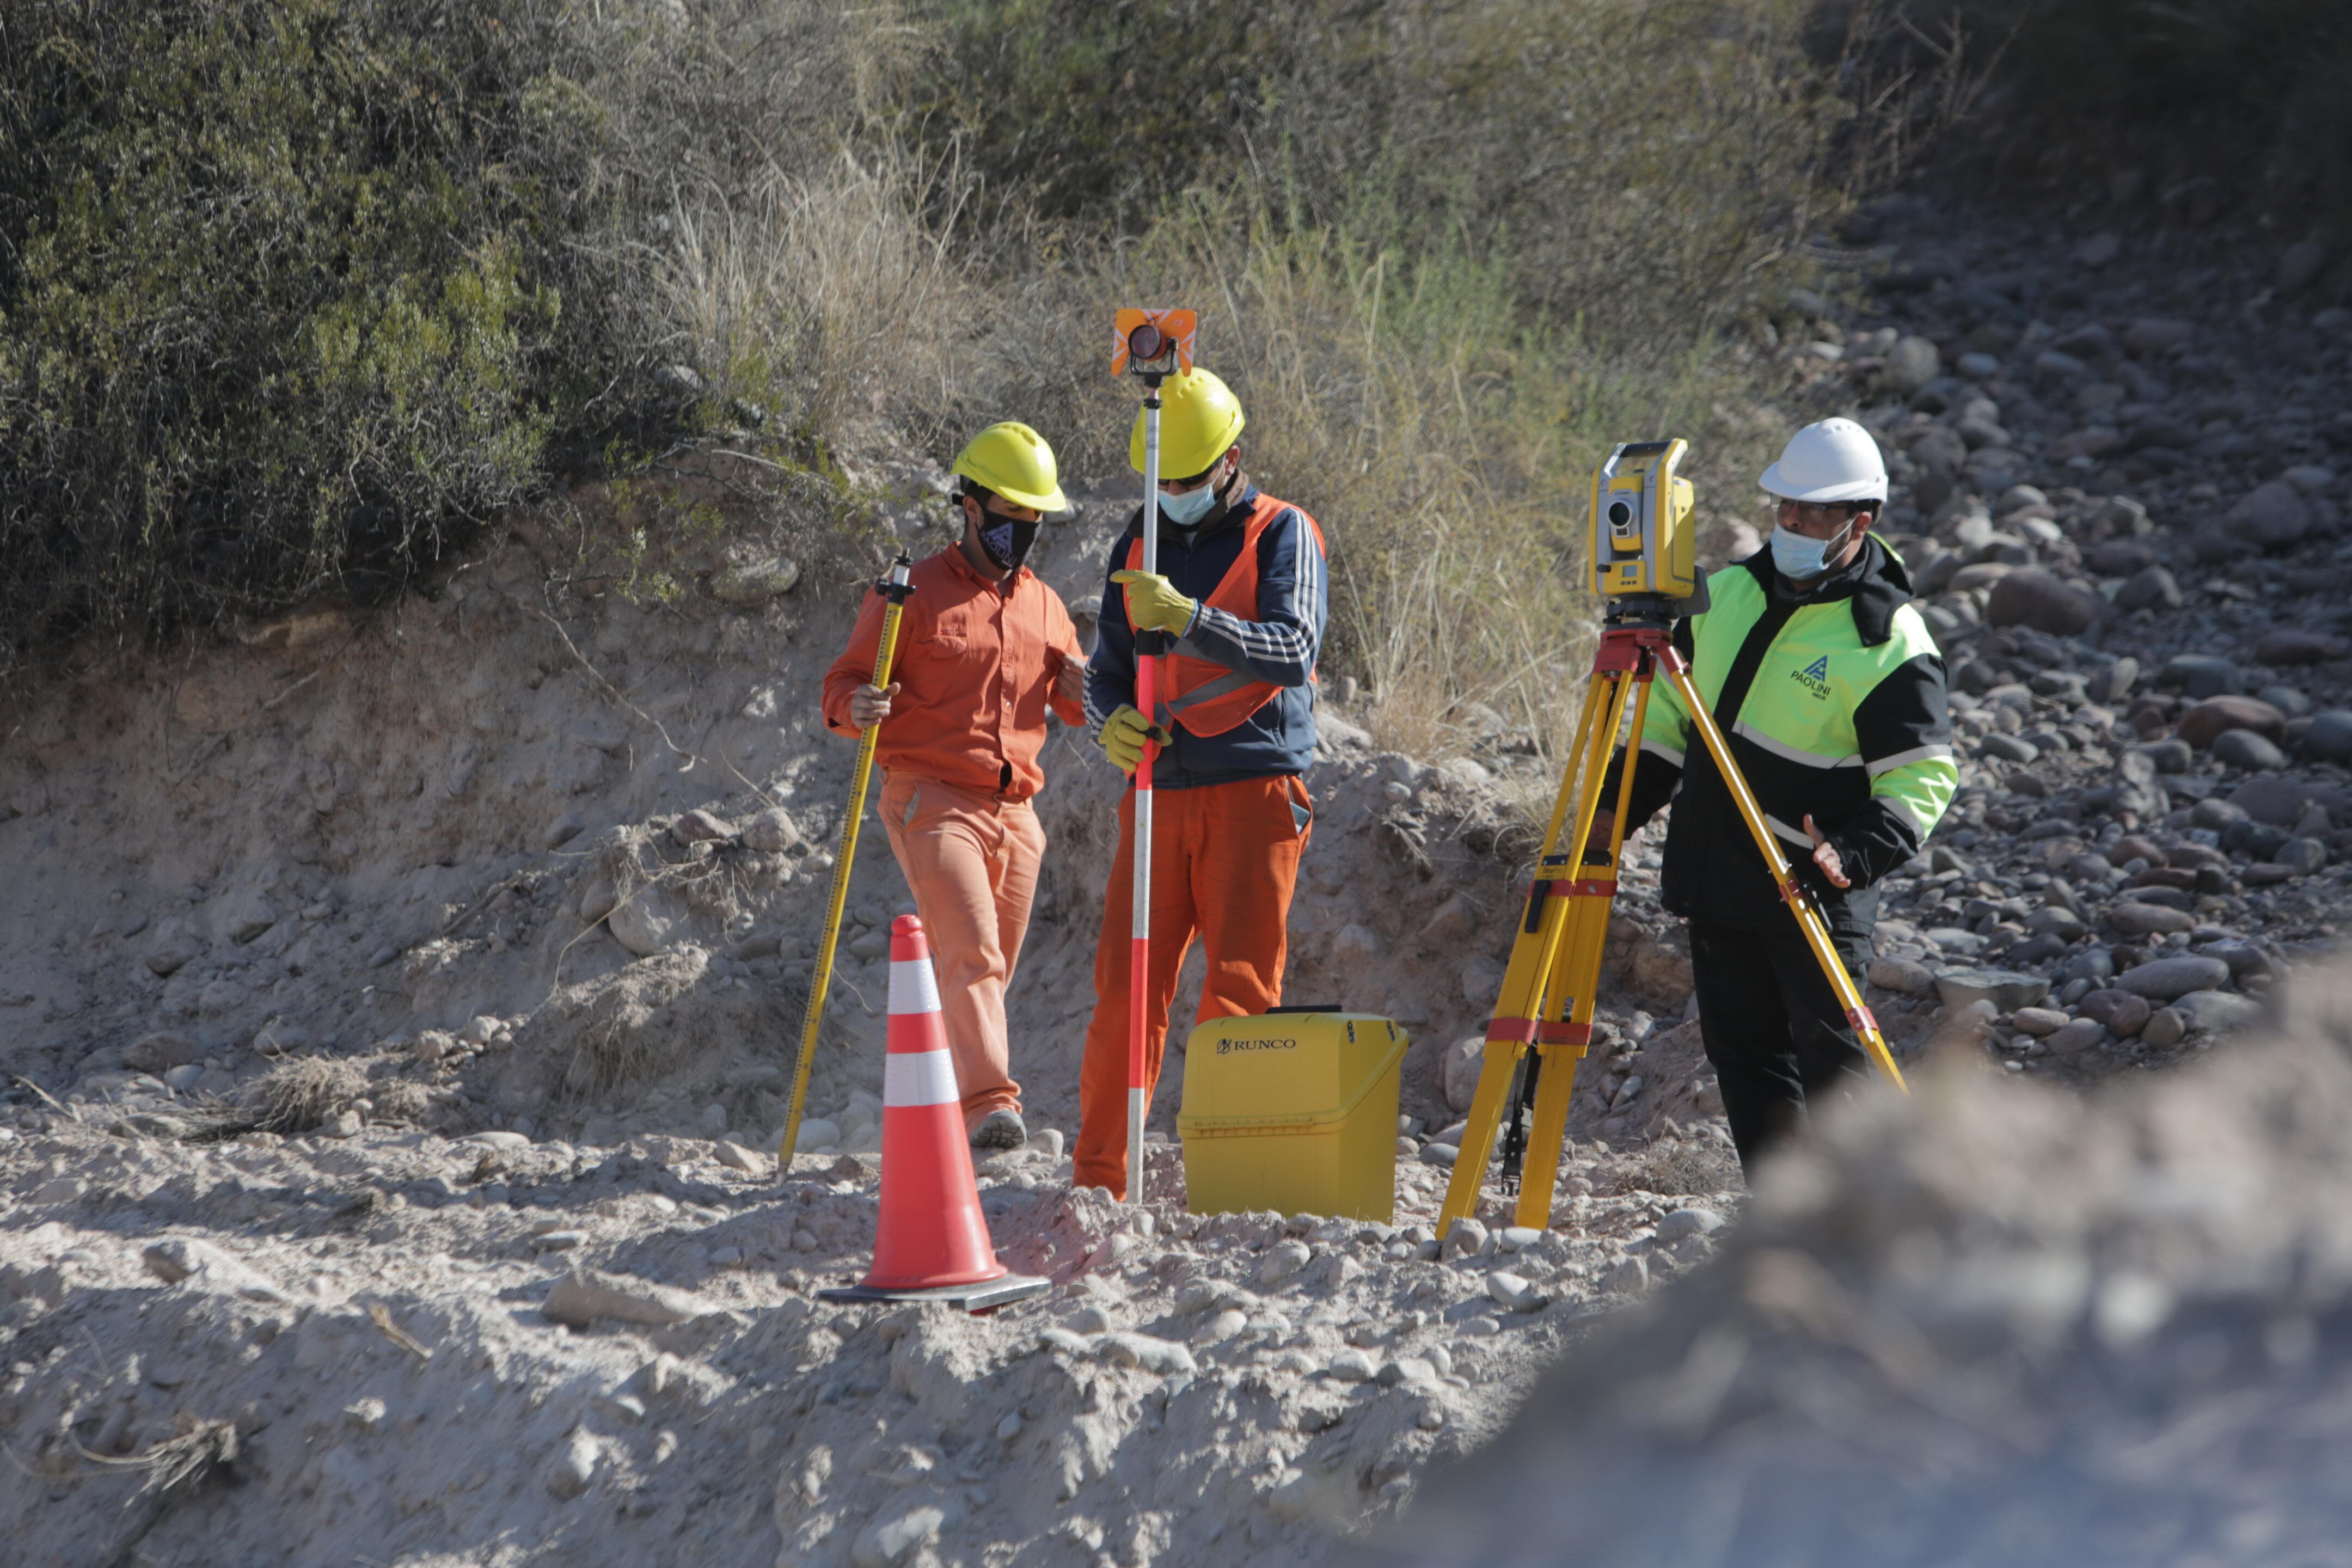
1190,506
1801,556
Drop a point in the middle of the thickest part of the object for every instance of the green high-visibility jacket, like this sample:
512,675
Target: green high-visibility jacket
1833,705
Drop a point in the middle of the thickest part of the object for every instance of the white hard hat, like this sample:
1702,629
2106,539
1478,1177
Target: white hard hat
1834,460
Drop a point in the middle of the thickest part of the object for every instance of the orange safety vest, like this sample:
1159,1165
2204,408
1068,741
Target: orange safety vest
1209,698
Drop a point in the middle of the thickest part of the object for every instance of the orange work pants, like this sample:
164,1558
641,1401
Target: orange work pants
1224,861
970,859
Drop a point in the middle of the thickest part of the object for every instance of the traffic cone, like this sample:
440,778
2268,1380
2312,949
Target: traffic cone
931,1243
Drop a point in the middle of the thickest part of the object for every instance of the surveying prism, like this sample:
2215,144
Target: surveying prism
1151,346
1641,567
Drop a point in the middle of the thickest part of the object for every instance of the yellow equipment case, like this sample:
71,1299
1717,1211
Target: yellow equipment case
1294,1111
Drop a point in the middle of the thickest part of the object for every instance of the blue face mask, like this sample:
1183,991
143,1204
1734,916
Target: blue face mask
1187,509
1801,556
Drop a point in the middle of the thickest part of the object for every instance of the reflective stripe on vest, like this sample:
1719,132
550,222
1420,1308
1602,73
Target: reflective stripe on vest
1207,695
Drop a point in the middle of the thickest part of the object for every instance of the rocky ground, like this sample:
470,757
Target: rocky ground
2126,523
398,1006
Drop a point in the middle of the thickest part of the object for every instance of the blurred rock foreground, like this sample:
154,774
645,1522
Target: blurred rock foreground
1988,1325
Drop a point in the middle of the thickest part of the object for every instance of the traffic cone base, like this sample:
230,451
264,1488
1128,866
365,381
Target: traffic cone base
985,1297
930,1241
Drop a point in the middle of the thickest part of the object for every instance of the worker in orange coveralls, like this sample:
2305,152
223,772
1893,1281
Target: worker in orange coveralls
1240,588
984,649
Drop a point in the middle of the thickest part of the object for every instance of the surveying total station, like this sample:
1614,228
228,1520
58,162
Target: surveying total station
1641,532
1642,564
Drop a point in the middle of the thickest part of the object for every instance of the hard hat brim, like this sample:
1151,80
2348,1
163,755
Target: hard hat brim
1048,502
1851,490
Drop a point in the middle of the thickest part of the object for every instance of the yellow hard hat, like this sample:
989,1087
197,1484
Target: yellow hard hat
1013,460
1201,417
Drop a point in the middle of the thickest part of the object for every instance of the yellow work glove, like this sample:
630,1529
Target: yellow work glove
1153,605
1123,734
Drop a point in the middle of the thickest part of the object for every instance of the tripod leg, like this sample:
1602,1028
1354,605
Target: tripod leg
1576,983
1800,902
1487,1108
1519,1010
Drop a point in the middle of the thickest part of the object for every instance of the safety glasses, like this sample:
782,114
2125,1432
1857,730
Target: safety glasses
1820,520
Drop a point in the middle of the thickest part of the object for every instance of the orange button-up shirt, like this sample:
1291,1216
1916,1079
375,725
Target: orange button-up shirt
976,665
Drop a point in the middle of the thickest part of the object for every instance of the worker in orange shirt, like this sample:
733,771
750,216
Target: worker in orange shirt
984,649
1240,588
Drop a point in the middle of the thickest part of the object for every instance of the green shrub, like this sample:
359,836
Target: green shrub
291,290
2221,105
247,305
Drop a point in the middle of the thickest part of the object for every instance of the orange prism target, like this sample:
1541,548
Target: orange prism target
1167,328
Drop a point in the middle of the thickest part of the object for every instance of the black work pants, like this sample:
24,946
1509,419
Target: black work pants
1774,1031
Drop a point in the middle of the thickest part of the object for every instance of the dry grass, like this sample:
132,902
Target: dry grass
195,1450
825,298
1446,261
1441,434
622,1029
304,1094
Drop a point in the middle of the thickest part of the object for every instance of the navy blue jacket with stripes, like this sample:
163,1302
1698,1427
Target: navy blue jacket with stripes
1279,646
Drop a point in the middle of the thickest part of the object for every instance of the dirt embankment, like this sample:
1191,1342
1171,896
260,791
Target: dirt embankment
372,976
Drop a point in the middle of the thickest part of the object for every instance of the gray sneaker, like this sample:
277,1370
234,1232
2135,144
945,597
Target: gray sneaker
1000,1130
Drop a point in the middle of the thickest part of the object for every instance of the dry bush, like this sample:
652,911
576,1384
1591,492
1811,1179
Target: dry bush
400,1100
1442,435
825,298
1447,253
642,860
197,1451
621,1029
304,1094
1684,1167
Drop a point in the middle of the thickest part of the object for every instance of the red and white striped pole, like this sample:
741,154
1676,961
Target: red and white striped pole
1138,958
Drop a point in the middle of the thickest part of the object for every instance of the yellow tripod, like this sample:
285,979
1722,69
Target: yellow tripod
895,589
1543,1020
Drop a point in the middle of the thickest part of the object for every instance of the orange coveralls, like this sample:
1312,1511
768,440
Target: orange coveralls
1230,817
976,666
1223,862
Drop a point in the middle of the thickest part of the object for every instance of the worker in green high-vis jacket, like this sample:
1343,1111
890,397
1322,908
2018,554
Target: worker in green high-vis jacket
1831,695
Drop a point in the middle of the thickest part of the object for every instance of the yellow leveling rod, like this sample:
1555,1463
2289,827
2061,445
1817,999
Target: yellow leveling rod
895,589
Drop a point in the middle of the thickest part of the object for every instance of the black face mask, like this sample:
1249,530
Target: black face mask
1005,540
